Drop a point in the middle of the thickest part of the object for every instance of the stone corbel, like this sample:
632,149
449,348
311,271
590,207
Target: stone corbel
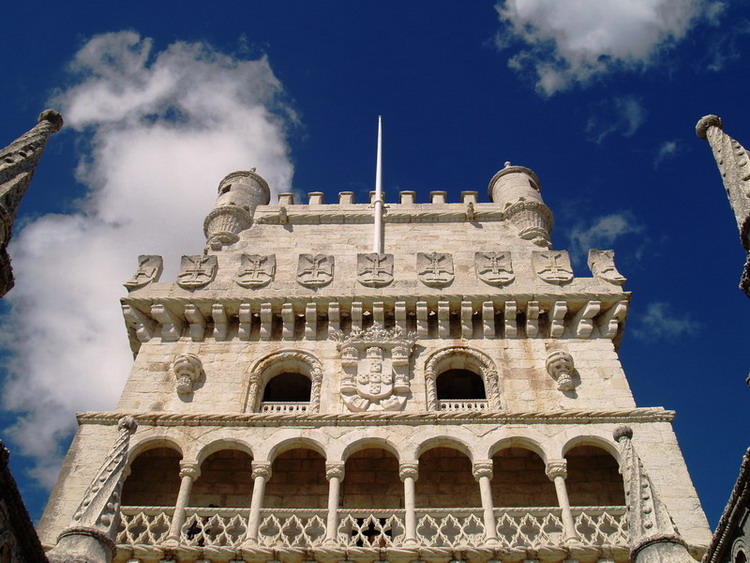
560,366
143,326
197,322
583,323
187,369
610,321
557,319
172,325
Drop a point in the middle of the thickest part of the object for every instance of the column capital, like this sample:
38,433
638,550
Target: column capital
261,469
482,468
408,469
557,468
189,469
335,470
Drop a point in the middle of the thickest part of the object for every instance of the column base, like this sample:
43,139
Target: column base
82,545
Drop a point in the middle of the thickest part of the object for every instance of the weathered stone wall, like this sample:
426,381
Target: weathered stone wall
371,481
298,481
519,479
593,478
225,481
445,480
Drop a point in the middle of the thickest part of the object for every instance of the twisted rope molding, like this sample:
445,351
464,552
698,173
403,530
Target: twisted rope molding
561,416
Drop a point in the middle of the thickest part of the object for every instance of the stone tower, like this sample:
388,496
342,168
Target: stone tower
298,397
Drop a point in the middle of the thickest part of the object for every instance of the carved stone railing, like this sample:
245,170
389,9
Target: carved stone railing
302,528
144,525
463,405
292,527
280,407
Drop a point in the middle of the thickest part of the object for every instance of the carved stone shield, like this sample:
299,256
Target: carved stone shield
315,270
256,270
494,268
602,265
553,266
196,271
375,368
375,270
435,268
149,270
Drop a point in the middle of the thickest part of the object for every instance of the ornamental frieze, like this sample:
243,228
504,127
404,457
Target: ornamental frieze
494,268
375,368
375,270
197,271
256,270
315,270
435,268
553,266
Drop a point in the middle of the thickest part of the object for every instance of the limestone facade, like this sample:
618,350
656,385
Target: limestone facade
299,397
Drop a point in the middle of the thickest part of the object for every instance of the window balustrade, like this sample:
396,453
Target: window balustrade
283,407
463,405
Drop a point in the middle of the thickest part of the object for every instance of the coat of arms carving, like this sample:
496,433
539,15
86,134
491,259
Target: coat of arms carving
494,268
375,270
602,265
375,368
435,268
315,270
256,270
197,271
149,270
553,266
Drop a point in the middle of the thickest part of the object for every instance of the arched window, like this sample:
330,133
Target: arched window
286,381
460,384
288,387
154,478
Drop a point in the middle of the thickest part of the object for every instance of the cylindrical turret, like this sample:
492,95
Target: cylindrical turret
239,194
518,190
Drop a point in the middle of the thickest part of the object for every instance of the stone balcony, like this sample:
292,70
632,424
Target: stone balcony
221,534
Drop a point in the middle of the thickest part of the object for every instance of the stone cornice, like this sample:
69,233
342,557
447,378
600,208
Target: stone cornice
562,416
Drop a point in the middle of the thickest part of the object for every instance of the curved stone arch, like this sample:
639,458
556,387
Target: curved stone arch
277,445
221,444
458,440
601,441
472,358
275,363
526,440
739,546
149,442
366,442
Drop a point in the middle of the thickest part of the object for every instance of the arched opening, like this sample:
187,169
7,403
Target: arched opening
740,557
446,480
593,478
519,479
298,480
226,481
371,480
154,478
288,387
5,553
460,384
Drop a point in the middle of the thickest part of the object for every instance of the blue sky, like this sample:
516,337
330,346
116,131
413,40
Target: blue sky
599,98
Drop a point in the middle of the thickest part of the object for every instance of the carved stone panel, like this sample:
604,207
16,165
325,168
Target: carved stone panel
602,265
375,270
375,368
435,268
553,266
149,270
494,268
315,270
256,270
197,271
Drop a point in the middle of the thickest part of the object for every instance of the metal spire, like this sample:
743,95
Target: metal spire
377,245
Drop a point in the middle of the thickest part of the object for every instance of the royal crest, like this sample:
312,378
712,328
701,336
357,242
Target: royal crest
375,270
494,268
256,270
435,268
196,271
149,270
375,368
315,270
602,265
553,266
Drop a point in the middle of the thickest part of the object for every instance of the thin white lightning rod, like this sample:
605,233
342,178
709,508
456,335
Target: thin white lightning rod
377,245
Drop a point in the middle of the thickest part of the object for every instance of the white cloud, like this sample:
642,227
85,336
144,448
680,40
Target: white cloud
602,232
661,322
622,114
667,150
161,129
569,42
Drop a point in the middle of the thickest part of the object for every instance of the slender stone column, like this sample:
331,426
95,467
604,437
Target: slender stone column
482,471
334,474
261,474
189,472
557,471
408,473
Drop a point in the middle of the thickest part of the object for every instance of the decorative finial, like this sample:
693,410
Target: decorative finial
705,122
53,117
621,432
507,164
252,169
